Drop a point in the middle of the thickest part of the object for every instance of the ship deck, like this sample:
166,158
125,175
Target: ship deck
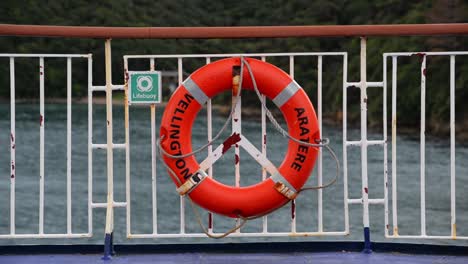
258,258
329,253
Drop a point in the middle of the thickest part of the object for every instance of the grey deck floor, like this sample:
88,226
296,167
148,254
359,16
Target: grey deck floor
256,258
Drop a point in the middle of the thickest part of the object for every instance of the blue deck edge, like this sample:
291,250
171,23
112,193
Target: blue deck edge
367,242
277,247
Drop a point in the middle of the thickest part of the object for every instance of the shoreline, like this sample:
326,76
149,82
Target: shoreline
434,130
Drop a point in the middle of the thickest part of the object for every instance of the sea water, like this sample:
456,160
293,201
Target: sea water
27,178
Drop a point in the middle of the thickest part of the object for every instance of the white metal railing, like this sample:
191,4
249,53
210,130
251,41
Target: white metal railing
42,176
422,165
319,230
43,145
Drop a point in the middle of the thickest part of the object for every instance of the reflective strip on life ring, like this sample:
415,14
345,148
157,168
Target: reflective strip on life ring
268,195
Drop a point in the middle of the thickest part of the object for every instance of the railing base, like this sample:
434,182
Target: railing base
367,243
108,246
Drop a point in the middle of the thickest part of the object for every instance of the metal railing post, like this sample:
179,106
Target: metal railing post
90,144
422,152
41,145
127,151
209,129
345,139
453,187
153,161
365,189
12,148
69,145
110,157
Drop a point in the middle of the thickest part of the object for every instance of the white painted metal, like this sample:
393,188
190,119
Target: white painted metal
16,236
102,88
104,146
369,143
453,219
180,75
209,128
345,148
423,147
41,145
371,201
423,234
31,55
90,141
69,145
236,128
394,147
431,53
104,205
368,84
257,155
127,153
363,144
320,155
264,150
12,147
110,150
41,202
450,237
374,84
153,161
280,54
242,234
293,202
364,191
385,168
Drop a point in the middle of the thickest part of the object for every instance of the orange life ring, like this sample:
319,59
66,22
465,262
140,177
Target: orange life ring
254,200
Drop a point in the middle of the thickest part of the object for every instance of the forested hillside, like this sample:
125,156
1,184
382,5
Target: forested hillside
254,12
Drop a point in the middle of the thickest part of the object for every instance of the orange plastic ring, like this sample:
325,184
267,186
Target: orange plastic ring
275,84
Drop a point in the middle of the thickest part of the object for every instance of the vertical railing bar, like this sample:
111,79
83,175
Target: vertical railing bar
127,154
394,147
345,139
41,145
209,127
182,199
108,239
320,156
69,144
293,202
363,103
153,159
452,150
264,152
153,166
236,128
90,140
180,71
423,147
384,109
291,66
12,148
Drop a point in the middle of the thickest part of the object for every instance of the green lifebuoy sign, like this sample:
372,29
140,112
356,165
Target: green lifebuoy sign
144,87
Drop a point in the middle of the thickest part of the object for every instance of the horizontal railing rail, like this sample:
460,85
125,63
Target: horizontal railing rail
234,32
